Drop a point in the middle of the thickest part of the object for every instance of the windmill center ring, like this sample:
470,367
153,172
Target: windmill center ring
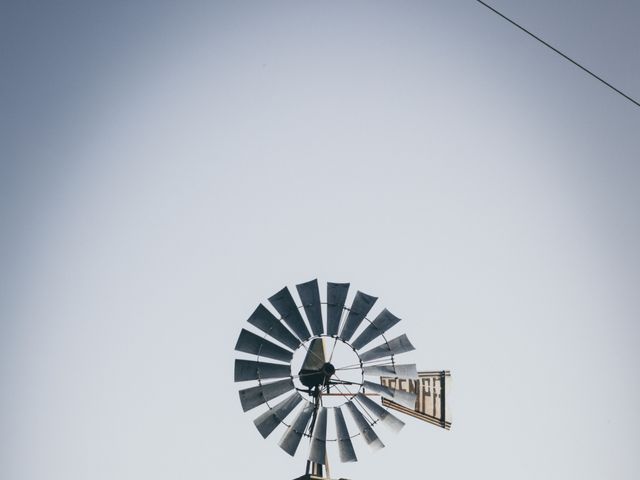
331,366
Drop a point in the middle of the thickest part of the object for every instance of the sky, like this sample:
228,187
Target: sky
167,166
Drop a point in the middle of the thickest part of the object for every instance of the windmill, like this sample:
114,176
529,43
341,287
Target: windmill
328,371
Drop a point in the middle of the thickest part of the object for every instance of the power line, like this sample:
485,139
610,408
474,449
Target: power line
559,53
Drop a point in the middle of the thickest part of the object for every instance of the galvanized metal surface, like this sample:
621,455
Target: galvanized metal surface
406,399
336,296
345,447
267,322
432,392
292,436
252,370
310,295
285,305
383,322
399,371
269,420
386,417
366,430
315,357
360,307
249,342
254,396
318,450
395,346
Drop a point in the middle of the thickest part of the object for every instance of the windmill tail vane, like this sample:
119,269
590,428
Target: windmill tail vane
321,379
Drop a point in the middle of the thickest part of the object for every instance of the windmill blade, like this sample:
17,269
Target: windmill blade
269,324
345,447
361,305
366,430
318,450
336,295
251,370
310,295
398,371
292,436
254,396
287,308
406,399
393,422
383,322
396,346
269,420
251,343
315,357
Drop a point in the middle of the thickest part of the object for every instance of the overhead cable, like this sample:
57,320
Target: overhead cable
559,53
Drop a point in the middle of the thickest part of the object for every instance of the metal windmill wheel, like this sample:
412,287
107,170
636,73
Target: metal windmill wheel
302,391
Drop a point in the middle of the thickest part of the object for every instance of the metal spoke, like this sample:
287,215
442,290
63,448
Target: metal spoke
368,364
335,342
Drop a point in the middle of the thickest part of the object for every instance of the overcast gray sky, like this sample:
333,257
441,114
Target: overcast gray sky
167,166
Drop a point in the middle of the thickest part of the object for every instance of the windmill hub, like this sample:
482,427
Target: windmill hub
319,364
328,370
316,369
316,378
